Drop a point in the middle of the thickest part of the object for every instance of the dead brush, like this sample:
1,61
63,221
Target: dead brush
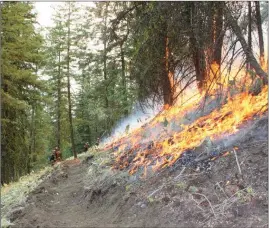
221,210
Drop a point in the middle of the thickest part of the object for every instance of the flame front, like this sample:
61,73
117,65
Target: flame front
163,147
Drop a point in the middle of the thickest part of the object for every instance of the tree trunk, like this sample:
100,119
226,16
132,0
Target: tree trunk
249,32
105,55
68,87
197,51
214,50
32,135
252,60
217,32
123,80
4,163
259,27
59,102
168,79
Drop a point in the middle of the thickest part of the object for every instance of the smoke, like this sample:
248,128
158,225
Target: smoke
253,130
135,120
139,118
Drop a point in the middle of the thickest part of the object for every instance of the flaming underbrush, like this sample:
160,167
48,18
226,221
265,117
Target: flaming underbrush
165,145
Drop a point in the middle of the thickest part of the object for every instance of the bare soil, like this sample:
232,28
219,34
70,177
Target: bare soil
86,194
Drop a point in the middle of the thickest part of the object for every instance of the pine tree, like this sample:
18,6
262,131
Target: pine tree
21,87
54,70
62,52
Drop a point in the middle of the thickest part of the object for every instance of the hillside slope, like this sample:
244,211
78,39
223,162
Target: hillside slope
90,194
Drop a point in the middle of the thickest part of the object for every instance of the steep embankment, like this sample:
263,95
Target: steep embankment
90,194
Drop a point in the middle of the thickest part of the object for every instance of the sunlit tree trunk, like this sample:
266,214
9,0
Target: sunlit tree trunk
168,84
198,55
217,36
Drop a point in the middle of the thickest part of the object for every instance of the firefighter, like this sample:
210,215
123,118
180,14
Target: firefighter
58,155
86,147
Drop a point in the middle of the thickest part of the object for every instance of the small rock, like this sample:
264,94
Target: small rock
143,205
64,175
230,216
166,199
126,197
139,203
16,213
39,190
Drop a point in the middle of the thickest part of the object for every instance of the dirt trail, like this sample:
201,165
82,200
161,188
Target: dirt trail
57,201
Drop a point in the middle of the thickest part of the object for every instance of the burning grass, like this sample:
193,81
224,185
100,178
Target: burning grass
158,145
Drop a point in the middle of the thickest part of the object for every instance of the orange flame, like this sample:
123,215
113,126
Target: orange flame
168,146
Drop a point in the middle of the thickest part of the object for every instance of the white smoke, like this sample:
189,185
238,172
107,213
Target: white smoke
135,120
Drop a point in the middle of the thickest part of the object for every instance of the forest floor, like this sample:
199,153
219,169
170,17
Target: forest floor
87,193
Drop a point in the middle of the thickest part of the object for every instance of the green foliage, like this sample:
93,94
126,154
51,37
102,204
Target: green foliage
181,185
150,199
106,93
21,88
245,195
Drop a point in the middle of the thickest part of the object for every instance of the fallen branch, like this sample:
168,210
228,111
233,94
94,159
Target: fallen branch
155,191
221,189
236,158
208,202
182,171
197,203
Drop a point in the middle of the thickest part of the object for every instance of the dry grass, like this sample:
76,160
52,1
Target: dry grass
15,193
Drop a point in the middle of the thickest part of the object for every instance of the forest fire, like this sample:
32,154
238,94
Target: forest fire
163,148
